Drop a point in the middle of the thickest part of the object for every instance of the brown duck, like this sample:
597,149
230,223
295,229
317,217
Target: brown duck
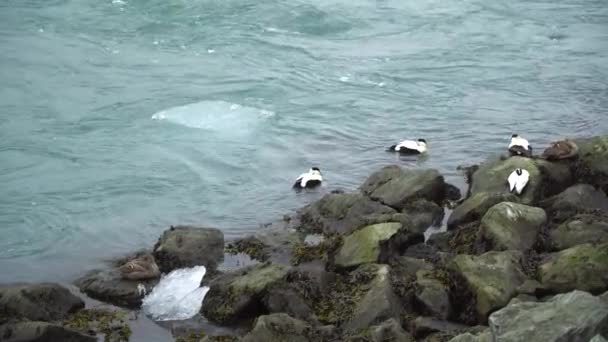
563,149
140,268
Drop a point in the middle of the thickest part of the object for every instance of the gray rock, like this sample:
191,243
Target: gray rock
598,338
363,245
108,286
395,187
239,294
378,304
579,230
583,267
474,207
604,297
575,198
544,176
485,336
593,161
575,317
432,295
37,302
389,330
33,331
188,246
493,278
341,213
424,326
278,327
512,226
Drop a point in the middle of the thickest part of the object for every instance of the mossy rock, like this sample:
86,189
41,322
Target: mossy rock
512,226
583,267
493,278
363,246
239,294
395,187
593,160
279,327
110,323
33,331
474,207
584,228
575,199
432,295
545,177
37,302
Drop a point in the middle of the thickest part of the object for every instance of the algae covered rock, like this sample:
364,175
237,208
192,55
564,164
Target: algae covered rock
340,213
32,331
111,323
278,327
394,186
432,295
545,177
363,245
579,230
512,226
239,294
583,267
576,198
575,317
593,157
37,302
108,286
189,246
474,207
493,278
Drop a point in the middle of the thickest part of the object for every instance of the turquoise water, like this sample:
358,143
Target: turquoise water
274,87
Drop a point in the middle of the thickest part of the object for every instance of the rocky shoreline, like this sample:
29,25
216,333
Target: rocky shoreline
356,266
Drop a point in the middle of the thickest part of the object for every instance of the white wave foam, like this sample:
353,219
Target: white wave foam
215,116
177,296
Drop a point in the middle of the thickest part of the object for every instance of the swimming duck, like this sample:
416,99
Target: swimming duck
140,268
519,146
518,180
308,180
559,150
410,147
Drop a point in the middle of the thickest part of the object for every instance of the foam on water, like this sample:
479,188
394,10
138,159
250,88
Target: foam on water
218,116
177,296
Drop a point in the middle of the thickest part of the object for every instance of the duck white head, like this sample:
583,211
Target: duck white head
315,171
422,142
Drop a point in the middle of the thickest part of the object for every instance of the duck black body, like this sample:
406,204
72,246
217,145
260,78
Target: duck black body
409,147
309,180
519,146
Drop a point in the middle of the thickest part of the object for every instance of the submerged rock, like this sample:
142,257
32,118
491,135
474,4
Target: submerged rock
109,286
512,226
363,246
394,186
575,317
546,178
474,207
493,278
340,213
37,302
239,294
189,246
279,327
580,229
576,198
583,267
33,331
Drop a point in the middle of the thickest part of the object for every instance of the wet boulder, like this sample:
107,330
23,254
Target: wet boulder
512,226
580,197
493,278
240,294
109,286
395,187
279,327
33,331
575,317
340,213
37,302
546,178
476,206
189,246
593,161
583,267
584,228
432,295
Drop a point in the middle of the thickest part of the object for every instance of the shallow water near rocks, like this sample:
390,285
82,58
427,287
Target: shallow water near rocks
87,173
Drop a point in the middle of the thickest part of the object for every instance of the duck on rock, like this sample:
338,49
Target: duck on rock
563,149
309,180
518,180
410,147
519,146
140,268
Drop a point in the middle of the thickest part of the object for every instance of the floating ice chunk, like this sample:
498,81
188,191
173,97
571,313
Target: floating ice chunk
177,296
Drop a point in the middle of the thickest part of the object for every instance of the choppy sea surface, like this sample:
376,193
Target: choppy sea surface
121,117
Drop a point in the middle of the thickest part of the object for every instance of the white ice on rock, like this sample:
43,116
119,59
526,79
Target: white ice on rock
177,296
